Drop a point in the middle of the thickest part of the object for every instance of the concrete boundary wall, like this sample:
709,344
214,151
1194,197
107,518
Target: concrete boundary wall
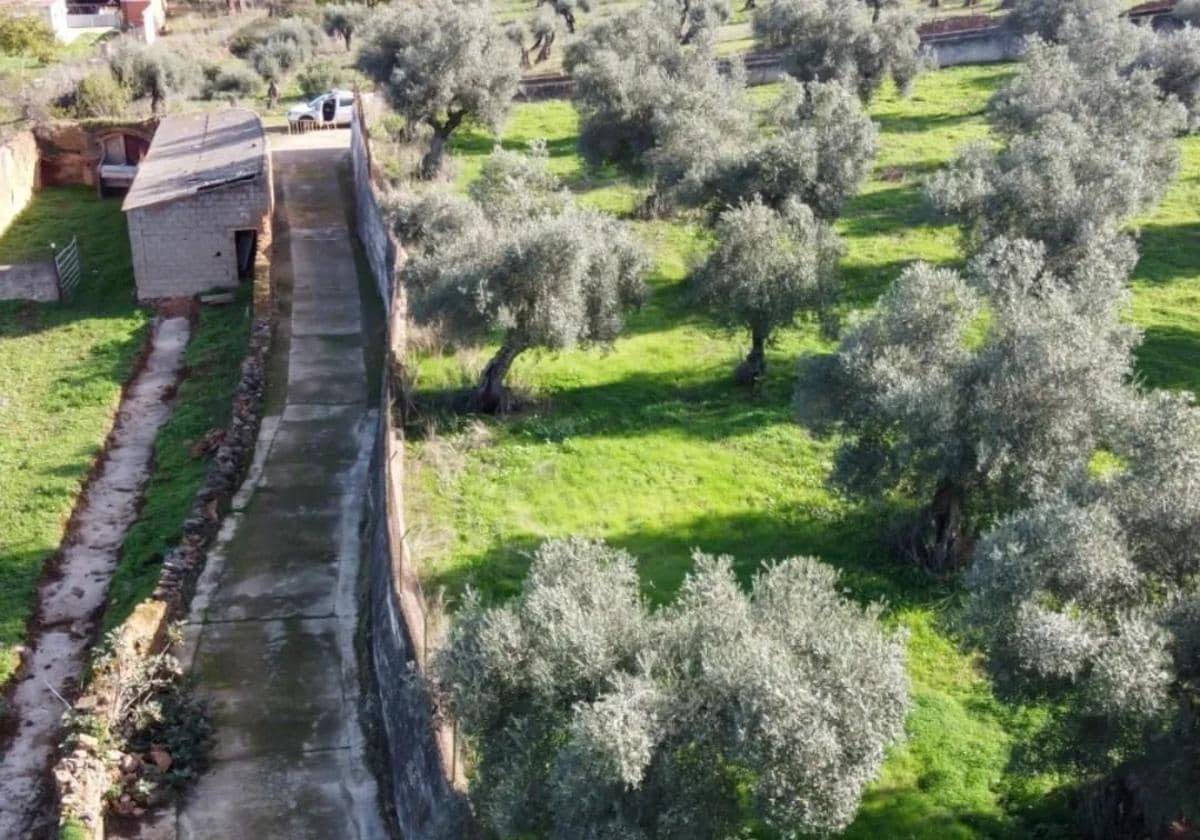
423,771
18,177
29,281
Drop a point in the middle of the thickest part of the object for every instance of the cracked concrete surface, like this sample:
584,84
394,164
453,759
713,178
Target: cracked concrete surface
271,636
67,606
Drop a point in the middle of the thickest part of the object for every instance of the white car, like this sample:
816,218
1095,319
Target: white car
333,108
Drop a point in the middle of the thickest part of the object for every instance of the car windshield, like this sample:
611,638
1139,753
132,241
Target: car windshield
316,103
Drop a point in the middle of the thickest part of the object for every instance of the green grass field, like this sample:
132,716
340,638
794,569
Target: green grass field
61,371
649,445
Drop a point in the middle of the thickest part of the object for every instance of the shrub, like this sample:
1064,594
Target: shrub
317,77
591,716
234,81
99,95
156,72
26,35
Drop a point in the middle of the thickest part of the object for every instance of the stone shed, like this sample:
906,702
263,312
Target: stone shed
200,205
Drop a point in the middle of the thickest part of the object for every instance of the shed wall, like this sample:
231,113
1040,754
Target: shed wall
184,247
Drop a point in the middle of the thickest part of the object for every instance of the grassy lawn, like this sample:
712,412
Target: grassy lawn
649,445
61,371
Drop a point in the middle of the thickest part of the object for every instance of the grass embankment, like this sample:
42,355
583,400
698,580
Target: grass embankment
214,358
61,371
649,445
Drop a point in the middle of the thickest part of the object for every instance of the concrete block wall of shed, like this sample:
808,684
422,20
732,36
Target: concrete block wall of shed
184,247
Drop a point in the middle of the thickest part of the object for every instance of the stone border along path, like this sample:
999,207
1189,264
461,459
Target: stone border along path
68,606
272,629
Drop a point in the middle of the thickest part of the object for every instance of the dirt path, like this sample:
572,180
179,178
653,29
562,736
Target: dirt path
274,620
68,606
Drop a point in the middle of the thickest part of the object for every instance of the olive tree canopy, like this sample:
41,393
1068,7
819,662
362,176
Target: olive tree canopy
633,79
592,717
1173,59
439,63
979,392
767,268
817,147
1047,18
1088,148
825,40
1090,597
154,72
344,20
522,260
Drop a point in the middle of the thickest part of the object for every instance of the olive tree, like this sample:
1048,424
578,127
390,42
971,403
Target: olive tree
1089,596
522,260
633,79
978,392
153,72
1047,18
698,16
343,21
825,40
440,63
1062,179
1173,59
818,148
768,267
591,716
536,36
1090,143
566,10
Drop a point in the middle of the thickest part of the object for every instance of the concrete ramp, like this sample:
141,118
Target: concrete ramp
274,621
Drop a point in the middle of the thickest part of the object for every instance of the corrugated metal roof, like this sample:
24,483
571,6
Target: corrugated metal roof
194,153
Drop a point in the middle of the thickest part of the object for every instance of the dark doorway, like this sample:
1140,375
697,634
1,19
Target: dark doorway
245,244
135,149
329,109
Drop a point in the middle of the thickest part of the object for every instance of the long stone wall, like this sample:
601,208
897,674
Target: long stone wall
18,176
983,46
419,751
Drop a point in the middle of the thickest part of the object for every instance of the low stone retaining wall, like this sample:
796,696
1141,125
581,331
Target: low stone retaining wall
423,770
18,176
981,46
81,777
29,281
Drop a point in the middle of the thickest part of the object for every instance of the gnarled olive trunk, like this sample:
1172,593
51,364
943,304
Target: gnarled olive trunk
939,539
490,396
547,43
754,367
431,164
